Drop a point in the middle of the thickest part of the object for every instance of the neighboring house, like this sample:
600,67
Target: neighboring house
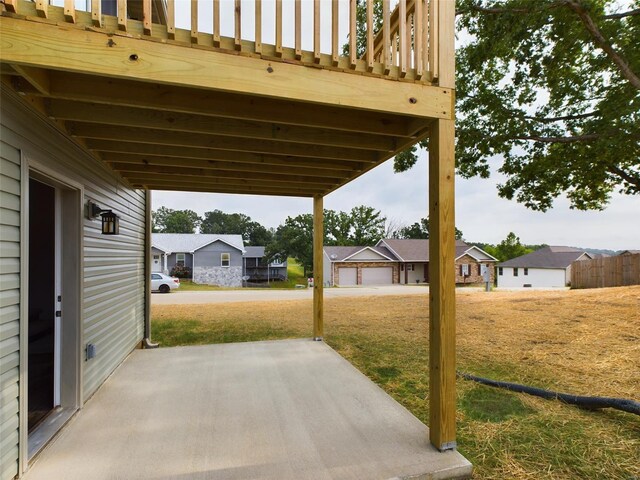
213,259
254,266
404,261
347,266
629,252
547,267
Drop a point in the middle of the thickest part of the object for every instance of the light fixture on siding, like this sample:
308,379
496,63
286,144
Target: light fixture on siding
110,221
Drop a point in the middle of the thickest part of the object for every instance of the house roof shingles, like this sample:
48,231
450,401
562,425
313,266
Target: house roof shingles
254,252
190,242
344,252
412,250
547,257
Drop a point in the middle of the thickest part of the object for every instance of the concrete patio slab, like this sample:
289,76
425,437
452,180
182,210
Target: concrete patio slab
291,409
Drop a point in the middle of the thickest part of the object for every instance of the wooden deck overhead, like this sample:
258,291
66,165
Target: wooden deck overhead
182,114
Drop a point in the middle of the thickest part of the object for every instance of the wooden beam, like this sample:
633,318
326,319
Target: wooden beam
442,303
434,33
122,15
168,182
318,292
168,186
335,24
369,51
37,77
142,163
42,7
11,5
298,29
402,38
130,152
386,37
353,54
111,91
181,173
215,142
181,122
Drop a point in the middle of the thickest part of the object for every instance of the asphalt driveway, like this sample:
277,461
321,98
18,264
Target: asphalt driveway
177,297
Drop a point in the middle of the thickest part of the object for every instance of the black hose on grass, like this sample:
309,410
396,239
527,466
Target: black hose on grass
590,403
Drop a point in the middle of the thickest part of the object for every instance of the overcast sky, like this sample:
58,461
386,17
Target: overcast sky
480,213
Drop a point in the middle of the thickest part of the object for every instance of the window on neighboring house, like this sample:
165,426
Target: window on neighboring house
412,267
515,272
180,259
479,269
464,269
225,259
499,270
526,271
402,267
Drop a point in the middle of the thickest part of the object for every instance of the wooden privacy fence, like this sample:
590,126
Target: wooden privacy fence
603,272
401,42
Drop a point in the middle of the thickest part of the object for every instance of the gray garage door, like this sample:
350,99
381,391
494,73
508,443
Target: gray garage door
377,275
347,276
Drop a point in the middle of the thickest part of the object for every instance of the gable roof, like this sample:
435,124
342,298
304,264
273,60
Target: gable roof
341,254
417,250
547,257
190,242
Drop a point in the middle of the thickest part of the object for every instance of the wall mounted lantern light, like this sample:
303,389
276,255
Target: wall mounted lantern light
110,221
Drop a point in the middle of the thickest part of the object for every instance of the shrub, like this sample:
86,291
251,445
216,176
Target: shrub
180,271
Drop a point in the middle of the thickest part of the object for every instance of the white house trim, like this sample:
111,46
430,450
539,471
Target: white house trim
346,259
219,240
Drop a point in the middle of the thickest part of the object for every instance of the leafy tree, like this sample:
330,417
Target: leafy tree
421,230
551,89
167,220
253,233
367,225
509,248
337,227
294,238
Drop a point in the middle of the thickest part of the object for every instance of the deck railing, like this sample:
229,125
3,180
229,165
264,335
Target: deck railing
401,42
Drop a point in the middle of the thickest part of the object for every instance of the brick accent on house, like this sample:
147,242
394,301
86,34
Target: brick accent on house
395,275
474,277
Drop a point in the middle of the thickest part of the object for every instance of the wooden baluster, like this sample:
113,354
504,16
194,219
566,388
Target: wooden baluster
394,50
194,21
238,32
216,23
171,19
258,21
11,5
316,31
370,46
96,12
402,40
147,18
122,15
425,36
70,11
352,34
42,8
335,18
278,28
417,39
298,29
409,44
433,39
386,36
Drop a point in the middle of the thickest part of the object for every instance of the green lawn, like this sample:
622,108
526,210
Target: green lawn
580,342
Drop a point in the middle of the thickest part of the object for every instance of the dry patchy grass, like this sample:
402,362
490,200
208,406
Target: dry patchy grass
585,342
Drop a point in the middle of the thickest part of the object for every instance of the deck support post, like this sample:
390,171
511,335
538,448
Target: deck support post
318,293
146,341
442,305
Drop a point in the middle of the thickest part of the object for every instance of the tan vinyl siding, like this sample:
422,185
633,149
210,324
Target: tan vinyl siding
112,267
9,308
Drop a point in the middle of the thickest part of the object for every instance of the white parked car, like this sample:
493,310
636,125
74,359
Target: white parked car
163,283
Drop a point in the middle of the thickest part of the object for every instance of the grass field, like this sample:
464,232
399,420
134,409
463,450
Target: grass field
584,342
